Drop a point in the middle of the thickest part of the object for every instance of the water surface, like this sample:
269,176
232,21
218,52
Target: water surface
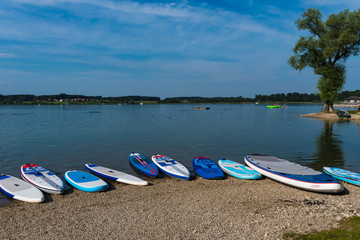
67,136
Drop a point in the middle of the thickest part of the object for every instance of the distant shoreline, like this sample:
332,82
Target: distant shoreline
146,103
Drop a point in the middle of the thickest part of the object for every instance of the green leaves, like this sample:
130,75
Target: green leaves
311,20
327,47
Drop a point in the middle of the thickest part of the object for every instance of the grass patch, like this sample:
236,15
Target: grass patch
348,229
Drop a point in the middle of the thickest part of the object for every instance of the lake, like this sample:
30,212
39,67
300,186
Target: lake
65,137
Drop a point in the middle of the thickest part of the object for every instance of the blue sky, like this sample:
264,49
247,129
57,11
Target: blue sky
166,49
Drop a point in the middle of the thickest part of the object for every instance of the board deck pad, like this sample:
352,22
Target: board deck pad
143,165
238,170
207,169
343,175
171,167
115,175
42,178
293,174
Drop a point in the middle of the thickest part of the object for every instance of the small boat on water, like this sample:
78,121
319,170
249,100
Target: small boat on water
201,108
273,106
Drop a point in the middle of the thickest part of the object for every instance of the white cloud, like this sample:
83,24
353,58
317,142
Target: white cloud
162,9
7,55
134,28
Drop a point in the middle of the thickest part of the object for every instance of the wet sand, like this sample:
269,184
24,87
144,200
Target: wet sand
177,209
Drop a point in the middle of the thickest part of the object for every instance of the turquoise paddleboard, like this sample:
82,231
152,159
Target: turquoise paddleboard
343,175
238,170
85,181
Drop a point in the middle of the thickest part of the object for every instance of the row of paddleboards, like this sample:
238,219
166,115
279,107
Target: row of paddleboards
202,166
38,178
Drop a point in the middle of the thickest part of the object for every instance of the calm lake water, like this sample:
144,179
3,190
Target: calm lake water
65,137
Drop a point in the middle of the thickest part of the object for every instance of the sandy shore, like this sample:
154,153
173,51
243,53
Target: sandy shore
333,116
176,209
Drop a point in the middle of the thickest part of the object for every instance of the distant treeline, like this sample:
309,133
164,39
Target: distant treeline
345,94
73,99
290,97
280,97
207,100
82,99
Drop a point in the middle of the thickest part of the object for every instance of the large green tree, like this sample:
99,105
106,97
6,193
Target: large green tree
326,48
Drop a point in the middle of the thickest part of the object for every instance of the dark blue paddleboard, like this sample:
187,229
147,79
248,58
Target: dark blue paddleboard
143,165
207,169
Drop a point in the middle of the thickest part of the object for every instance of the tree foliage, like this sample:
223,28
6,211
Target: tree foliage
326,48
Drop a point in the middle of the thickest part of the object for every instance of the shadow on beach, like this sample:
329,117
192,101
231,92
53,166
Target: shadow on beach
4,200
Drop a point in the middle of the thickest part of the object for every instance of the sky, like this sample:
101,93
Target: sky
205,48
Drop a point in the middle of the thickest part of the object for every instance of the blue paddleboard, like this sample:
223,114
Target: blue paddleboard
143,165
343,175
85,181
207,169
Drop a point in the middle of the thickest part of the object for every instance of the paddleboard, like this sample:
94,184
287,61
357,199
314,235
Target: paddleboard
115,175
207,169
293,174
238,170
343,175
20,190
85,181
171,167
42,178
143,165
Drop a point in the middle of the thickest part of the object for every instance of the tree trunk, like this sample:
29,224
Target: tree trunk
326,107
329,106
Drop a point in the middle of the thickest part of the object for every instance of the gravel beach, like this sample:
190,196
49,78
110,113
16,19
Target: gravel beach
177,209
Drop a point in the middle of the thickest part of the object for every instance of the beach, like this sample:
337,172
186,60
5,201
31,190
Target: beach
178,209
331,116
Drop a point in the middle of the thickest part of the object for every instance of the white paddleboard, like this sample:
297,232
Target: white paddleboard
85,181
293,174
42,178
20,190
171,167
115,175
238,170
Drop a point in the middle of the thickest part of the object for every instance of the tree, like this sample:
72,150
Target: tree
327,48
